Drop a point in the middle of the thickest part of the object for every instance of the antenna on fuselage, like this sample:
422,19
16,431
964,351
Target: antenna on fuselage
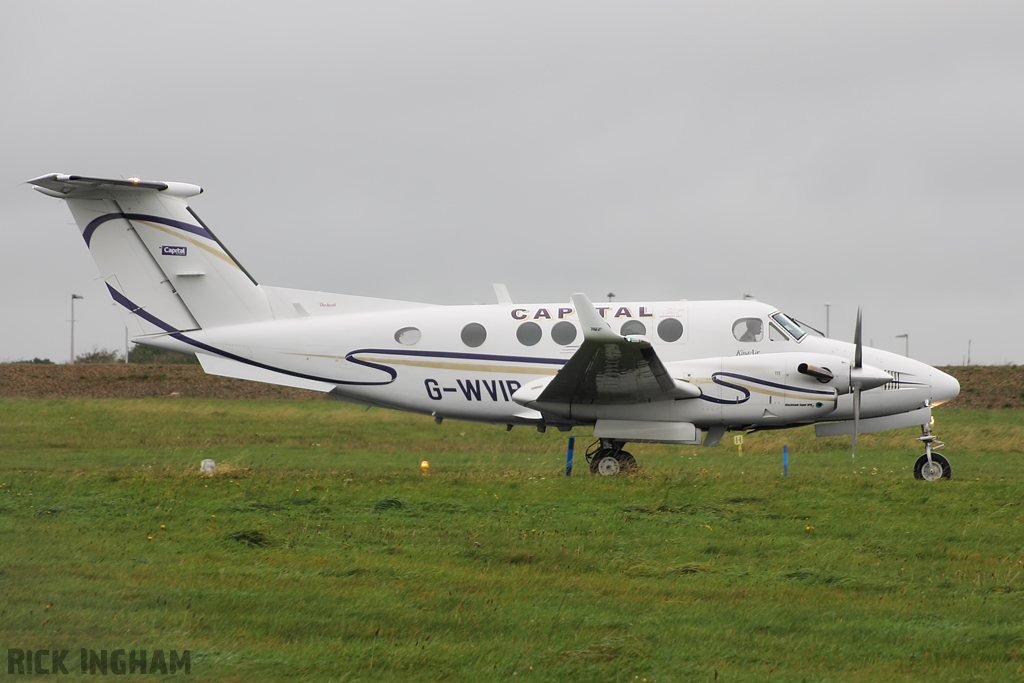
501,291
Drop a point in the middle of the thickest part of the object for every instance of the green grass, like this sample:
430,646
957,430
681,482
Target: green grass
320,551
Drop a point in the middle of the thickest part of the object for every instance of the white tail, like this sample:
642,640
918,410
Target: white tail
160,262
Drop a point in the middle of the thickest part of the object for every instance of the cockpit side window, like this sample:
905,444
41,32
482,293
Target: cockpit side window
776,334
787,323
748,330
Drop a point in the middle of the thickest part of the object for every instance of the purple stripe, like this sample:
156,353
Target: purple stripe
187,227
724,401
716,378
766,383
138,310
461,356
440,354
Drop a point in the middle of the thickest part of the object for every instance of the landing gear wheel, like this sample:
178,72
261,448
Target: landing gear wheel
607,458
609,461
937,469
605,463
627,463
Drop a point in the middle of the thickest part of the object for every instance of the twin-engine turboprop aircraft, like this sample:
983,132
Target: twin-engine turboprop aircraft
647,371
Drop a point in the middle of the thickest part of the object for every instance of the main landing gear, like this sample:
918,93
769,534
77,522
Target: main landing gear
607,458
931,466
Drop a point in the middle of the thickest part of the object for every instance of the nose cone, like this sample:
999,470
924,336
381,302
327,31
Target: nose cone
944,387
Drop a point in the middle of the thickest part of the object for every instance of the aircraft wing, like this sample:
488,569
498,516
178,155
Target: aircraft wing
610,369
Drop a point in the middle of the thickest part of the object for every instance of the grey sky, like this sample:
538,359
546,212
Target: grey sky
861,153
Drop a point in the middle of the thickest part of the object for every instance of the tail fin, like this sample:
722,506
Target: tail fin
160,262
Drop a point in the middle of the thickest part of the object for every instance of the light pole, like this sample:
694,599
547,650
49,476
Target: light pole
611,295
73,297
827,304
906,338
125,337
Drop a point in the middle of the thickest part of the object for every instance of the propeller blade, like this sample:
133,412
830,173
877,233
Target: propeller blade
856,424
856,343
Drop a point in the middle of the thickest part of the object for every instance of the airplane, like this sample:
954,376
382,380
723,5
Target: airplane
675,372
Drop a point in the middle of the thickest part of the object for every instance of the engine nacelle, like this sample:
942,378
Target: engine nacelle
770,389
766,389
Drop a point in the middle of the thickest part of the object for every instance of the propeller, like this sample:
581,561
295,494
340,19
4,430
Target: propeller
858,351
862,379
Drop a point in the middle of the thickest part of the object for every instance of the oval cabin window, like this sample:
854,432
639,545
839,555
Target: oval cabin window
528,334
633,327
748,330
670,329
563,333
474,334
408,336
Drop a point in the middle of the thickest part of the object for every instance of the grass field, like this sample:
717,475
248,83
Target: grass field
319,551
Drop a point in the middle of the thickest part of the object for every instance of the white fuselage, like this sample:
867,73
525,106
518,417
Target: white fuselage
434,371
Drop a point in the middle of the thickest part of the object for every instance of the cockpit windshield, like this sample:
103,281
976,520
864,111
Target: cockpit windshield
795,330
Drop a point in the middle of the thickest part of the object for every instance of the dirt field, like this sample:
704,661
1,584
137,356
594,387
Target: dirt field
133,381
981,386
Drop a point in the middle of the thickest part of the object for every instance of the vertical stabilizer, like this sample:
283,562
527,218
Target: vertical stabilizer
161,263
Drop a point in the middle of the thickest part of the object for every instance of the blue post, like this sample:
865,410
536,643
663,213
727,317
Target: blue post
568,458
785,461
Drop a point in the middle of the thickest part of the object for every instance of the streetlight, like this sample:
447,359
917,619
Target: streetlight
906,337
73,297
827,304
611,295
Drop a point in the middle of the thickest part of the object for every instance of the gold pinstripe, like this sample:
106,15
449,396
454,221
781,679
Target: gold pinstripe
528,370
756,389
219,254
439,365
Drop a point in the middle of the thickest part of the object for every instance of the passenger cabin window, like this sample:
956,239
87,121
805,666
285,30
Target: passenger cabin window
408,336
670,329
631,327
775,334
528,333
474,334
563,333
748,330
794,330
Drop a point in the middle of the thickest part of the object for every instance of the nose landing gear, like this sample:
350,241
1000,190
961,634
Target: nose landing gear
607,458
931,466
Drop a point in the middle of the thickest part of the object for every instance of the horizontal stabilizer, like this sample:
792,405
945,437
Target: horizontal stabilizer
875,424
64,186
225,367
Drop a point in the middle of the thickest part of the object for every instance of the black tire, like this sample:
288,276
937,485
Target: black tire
940,468
627,463
610,468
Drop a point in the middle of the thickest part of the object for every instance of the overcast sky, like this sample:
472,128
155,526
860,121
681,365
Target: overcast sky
860,153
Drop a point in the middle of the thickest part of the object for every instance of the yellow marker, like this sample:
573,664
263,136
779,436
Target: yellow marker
738,440
424,466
